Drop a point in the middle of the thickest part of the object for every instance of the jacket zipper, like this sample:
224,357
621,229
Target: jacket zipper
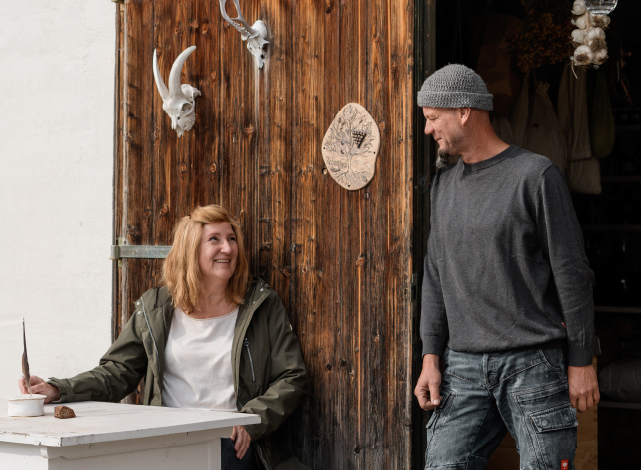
262,457
241,406
251,362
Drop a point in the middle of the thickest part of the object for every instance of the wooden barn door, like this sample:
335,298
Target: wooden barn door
341,260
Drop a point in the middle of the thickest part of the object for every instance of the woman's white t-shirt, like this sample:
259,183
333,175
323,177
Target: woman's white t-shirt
198,372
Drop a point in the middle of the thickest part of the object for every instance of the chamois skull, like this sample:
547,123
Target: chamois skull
178,100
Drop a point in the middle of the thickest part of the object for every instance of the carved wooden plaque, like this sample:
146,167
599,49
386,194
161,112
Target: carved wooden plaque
350,147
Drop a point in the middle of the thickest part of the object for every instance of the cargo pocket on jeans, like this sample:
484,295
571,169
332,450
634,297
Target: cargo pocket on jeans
554,419
556,431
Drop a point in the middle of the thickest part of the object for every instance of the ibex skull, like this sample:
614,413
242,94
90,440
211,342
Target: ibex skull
178,100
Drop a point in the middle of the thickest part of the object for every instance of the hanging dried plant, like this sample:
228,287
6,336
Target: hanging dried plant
543,38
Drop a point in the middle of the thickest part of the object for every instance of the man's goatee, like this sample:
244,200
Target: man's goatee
442,160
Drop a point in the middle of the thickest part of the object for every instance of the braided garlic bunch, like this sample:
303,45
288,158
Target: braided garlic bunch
589,38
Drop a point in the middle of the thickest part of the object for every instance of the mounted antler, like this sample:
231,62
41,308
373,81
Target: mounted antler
254,35
178,100
246,31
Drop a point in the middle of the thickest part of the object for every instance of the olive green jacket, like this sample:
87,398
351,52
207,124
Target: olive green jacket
269,373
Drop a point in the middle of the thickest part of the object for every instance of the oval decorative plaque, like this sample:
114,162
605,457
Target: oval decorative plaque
350,147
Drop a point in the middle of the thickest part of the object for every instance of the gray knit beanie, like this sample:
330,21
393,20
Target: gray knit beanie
455,86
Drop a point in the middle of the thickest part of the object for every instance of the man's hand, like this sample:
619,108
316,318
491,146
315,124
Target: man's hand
41,387
584,387
429,383
241,437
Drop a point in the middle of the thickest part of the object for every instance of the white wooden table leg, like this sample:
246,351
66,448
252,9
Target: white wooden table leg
215,455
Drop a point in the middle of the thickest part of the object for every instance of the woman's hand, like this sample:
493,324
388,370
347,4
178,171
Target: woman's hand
242,441
41,387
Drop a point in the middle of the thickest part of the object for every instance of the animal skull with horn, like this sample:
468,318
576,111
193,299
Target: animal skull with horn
178,100
254,35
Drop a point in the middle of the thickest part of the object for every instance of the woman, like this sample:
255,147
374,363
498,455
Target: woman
210,338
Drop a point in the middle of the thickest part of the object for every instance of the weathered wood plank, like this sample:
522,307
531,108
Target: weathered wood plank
137,177
315,251
183,145
119,150
275,151
205,33
402,110
239,120
355,322
166,169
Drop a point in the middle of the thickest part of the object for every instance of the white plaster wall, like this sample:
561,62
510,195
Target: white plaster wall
56,185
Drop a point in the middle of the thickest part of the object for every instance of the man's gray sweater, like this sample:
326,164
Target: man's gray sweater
506,268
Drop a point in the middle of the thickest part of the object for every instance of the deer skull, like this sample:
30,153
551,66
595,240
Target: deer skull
254,35
178,100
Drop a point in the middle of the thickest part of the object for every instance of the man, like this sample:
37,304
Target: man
507,293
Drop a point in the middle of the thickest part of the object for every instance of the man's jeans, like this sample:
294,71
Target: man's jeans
483,396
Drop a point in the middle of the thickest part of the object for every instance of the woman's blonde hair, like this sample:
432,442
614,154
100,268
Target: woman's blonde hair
181,270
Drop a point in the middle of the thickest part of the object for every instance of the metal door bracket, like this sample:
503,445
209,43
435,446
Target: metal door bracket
120,252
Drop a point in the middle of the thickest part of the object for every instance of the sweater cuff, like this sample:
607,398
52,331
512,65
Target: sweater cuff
580,357
434,345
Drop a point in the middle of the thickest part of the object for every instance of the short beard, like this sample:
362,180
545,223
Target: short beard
443,159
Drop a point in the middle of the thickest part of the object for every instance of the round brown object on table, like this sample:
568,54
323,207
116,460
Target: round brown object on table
63,412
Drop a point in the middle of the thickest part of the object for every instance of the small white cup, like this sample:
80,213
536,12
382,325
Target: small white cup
26,405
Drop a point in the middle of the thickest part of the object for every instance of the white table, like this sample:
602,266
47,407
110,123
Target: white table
116,436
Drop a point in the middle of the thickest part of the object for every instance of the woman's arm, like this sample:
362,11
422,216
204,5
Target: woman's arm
119,373
288,380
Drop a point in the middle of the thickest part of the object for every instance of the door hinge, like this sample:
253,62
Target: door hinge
122,251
